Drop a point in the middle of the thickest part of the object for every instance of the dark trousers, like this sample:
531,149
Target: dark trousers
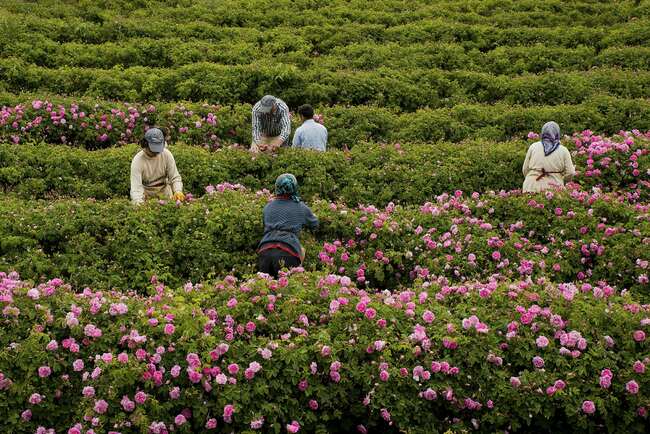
271,261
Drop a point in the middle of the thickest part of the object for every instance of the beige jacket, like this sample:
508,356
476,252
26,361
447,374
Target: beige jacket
154,176
543,172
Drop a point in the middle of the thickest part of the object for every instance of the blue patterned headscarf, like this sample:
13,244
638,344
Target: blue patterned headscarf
287,185
550,137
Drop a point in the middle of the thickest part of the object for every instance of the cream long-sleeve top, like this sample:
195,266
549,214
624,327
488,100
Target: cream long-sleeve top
154,176
543,172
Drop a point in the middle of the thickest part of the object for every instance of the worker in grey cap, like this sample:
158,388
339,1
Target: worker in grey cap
271,124
154,172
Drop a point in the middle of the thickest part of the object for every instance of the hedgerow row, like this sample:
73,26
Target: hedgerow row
315,353
369,173
171,52
569,237
26,119
408,89
323,31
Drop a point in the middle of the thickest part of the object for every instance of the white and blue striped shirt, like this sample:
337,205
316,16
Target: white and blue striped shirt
271,124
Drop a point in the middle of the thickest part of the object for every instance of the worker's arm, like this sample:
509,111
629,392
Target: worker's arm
311,221
257,129
137,189
172,173
569,168
526,167
285,122
297,139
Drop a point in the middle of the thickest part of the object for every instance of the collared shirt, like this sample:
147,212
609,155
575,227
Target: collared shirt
271,124
310,135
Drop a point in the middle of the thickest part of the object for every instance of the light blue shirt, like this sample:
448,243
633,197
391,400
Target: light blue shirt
310,135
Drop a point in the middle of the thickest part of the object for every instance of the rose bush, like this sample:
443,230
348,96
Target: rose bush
369,173
587,237
313,352
105,123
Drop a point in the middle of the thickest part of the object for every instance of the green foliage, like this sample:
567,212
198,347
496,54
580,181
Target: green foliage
293,320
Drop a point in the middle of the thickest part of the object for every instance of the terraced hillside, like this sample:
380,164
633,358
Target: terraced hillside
435,296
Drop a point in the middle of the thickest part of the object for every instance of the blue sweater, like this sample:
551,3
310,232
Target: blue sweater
283,220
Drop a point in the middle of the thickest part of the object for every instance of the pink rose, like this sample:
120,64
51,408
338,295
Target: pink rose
169,329
127,404
639,367
632,387
35,398
140,397
639,335
100,406
515,381
293,427
542,342
589,407
428,316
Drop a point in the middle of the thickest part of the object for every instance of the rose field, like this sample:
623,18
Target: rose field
435,296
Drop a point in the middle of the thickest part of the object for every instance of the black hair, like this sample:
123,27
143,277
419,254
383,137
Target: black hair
306,111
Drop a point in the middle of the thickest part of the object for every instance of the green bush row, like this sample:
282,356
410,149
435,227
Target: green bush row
477,26
106,244
173,52
368,174
319,346
355,124
403,89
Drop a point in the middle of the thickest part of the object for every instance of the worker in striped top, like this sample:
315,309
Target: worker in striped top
271,124
284,217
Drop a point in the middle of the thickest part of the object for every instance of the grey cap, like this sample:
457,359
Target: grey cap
155,140
266,103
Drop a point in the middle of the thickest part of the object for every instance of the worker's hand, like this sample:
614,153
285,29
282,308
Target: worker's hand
276,143
179,196
254,148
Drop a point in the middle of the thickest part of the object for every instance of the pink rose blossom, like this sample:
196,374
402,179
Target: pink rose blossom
293,427
589,407
100,406
632,387
542,342
35,398
140,397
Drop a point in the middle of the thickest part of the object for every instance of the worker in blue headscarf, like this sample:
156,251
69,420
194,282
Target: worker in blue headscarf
284,217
